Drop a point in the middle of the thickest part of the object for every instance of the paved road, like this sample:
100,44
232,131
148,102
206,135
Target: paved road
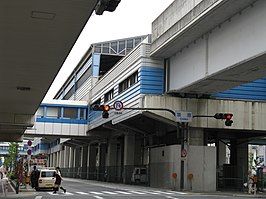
96,190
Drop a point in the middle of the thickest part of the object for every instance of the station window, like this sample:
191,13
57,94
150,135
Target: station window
131,80
82,111
70,113
53,112
108,96
40,112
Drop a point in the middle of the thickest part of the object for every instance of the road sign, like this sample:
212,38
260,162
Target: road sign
29,152
118,105
182,116
184,153
29,143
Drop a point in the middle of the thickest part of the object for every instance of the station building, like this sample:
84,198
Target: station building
140,72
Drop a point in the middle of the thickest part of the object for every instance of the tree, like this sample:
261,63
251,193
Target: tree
11,157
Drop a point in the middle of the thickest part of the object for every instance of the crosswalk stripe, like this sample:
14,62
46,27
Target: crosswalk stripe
97,193
137,192
162,192
177,192
53,194
149,192
68,193
123,192
82,193
108,192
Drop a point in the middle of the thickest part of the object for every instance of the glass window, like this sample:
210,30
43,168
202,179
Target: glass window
108,96
132,79
40,112
106,48
121,47
82,111
71,113
47,174
97,48
114,48
137,41
53,112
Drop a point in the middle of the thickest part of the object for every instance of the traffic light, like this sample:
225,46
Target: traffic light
105,114
225,116
103,108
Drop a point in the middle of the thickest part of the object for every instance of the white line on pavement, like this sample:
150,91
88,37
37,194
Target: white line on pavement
38,197
82,193
98,197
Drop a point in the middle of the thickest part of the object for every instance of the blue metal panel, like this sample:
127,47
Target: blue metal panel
96,64
151,80
255,90
65,121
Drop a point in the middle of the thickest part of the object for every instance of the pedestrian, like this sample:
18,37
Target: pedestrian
34,177
58,180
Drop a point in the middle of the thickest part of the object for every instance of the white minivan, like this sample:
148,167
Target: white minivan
46,179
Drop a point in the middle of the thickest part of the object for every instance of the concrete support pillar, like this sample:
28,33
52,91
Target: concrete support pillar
101,161
61,158
221,156
196,137
129,157
84,162
111,161
92,172
66,157
71,157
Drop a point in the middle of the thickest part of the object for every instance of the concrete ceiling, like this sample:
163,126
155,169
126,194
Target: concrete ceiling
36,37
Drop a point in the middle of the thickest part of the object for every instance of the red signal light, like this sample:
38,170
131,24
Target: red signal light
228,116
106,107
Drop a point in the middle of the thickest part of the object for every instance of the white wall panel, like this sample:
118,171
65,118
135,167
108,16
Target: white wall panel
74,129
57,128
65,129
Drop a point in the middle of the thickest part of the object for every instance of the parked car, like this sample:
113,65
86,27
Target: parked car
139,175
46,179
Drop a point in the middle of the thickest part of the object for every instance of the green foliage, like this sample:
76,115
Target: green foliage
10,159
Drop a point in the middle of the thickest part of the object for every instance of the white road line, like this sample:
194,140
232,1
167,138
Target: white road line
68,193
171,197
123,192
149,192
38,197
109,192
97,193
137,192
98,197
162,192
178,192
82,193
55,194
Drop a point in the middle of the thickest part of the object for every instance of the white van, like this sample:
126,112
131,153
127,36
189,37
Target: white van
46,179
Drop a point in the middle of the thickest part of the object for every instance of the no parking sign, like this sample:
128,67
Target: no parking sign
118,105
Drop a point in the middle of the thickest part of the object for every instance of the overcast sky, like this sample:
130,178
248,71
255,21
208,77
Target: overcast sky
131,18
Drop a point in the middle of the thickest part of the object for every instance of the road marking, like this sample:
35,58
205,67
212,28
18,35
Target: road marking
171,197
97,193
55,194
98,197
178,192
38,197
136,192
149,192
68,193
108,192
82,193
123,192
162,192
